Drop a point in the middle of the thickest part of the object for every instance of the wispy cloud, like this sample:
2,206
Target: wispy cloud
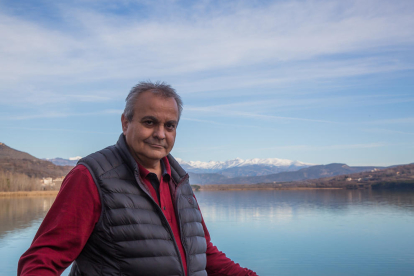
408,120
59,115
216,111
387,131
60,130
223,124
280,118
278,37
30,94
283,102
181,150
328,147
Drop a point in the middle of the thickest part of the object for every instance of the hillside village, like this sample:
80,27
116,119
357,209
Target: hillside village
20,171
401,177
48,183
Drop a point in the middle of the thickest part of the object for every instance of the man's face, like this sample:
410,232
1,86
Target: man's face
151,133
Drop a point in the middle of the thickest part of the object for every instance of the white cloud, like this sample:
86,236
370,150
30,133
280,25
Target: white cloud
97,46
264,109
282,102
407,120
61,114
56,130
328,147
387,131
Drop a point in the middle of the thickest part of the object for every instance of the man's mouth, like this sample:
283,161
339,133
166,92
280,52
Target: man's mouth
155,145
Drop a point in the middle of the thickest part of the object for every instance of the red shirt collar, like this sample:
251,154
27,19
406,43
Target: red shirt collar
165,169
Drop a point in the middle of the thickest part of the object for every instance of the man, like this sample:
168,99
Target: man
129,209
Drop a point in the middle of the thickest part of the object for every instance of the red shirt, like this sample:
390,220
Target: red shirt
164,201
72,218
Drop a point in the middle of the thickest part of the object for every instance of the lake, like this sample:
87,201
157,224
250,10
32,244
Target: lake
274,232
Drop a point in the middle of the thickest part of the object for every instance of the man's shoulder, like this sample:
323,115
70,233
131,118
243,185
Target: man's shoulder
79,170
98,154
78,176
103,160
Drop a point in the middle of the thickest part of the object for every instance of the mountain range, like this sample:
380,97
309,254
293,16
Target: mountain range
253,171
312,172
239,167
236,171
231,168
64,162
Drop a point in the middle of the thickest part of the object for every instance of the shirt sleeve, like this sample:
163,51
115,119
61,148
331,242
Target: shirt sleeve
66,227
218,264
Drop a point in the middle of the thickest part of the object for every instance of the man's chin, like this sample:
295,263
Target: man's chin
158,155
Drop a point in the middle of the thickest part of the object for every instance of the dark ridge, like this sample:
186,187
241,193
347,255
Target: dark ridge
15,161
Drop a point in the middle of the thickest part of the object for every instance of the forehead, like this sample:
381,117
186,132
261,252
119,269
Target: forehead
150,104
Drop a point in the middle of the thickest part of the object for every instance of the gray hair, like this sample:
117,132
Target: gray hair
159,88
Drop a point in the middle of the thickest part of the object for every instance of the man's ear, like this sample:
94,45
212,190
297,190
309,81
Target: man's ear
125,123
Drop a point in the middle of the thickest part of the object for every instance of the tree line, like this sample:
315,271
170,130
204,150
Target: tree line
16,182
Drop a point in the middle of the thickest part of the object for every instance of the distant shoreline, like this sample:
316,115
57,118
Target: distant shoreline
54,193
252,187
28,193
264,188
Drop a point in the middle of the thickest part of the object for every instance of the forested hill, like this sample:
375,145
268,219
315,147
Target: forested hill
15,161
7,152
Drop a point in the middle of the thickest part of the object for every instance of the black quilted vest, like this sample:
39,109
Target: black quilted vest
132,236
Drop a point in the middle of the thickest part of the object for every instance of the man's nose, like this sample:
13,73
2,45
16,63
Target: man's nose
159,132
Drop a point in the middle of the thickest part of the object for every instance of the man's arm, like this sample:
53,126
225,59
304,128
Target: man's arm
66,227
217,262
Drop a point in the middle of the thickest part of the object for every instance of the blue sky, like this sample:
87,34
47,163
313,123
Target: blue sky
314,81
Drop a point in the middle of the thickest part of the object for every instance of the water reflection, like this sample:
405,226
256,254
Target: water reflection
285,204
314,232
18,213
285,232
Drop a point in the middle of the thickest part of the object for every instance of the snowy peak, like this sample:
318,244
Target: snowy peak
201,165
64,162
240,167
76,158
238,162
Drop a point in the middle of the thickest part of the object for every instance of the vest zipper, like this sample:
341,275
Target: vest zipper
175,202
165,222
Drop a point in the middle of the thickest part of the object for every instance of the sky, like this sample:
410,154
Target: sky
319,81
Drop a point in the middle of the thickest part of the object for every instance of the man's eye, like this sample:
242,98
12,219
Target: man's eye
170,126
148,123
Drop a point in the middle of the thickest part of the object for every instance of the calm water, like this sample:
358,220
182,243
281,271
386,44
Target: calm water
315,232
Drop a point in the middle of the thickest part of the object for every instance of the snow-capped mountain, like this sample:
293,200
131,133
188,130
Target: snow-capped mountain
238,162
77,158
65,162
241,167
231,168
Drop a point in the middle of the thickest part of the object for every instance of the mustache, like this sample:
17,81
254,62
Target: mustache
155,142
